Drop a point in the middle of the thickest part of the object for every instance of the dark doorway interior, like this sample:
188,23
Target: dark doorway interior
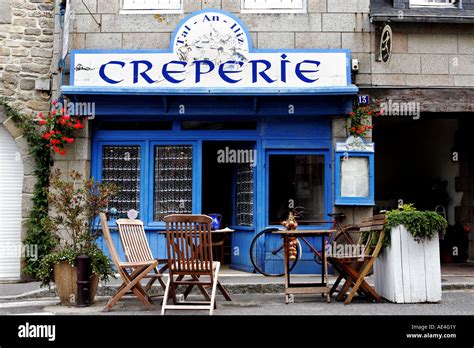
218,182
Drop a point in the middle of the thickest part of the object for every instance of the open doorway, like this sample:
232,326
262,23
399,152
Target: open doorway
415,163
226,191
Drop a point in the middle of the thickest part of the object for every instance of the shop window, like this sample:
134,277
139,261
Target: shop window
121,167
244,195
173,180
158,6
296,181
434,3
274,6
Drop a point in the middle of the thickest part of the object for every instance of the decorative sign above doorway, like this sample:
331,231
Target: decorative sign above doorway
212,49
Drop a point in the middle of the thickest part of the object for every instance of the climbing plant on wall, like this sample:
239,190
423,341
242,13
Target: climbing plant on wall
37,228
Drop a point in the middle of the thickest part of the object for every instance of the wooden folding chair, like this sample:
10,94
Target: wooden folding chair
136,248
130,272
354,268
189,246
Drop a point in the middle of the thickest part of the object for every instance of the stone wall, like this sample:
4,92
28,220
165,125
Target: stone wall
26,42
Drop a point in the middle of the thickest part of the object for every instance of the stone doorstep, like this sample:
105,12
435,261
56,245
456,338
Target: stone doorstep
262,287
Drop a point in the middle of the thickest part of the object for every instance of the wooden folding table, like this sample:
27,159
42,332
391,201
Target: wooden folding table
306,288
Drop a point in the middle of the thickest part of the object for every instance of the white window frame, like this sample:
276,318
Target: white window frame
427,3
245,9
124,9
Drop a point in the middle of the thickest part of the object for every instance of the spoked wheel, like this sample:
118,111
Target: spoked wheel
348,235
267,254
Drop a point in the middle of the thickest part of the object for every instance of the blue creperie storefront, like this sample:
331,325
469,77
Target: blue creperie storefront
215,126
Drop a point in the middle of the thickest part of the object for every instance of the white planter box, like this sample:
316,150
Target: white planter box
408,271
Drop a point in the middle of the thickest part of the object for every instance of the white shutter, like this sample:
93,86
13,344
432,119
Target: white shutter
11,185
152,5
274,4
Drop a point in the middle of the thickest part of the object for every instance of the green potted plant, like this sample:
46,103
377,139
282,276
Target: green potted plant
408,269
75,204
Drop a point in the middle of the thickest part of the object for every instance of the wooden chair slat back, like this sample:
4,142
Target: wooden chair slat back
134,241
189,243
110,244
376,235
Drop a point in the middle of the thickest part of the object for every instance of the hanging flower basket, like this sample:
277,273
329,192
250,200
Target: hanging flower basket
59,128
361,120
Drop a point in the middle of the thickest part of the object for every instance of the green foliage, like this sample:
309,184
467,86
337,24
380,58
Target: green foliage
76,204
423,225
37,227
100,262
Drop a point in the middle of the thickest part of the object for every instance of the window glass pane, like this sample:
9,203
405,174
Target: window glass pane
173,180
121,167
355,177
298,179
244,195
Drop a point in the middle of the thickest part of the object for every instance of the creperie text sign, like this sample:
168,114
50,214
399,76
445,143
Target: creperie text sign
211,49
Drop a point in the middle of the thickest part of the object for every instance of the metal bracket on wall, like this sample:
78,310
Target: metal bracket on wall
88,10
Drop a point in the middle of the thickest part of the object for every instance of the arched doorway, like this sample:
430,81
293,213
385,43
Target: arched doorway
11,184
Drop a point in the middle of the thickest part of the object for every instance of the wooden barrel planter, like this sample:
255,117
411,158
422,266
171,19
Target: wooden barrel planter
65,277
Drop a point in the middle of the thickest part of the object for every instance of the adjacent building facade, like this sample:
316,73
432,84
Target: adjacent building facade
26,51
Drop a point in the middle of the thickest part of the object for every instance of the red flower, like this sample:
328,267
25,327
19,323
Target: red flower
42,122
47,136
69,124
353,129
56,149
53,112
70,140
40,115
62,152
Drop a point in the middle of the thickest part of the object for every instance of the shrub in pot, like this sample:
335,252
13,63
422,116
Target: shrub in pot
75,205
408,269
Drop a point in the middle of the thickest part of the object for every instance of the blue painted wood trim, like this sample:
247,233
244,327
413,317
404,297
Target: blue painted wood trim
356,201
